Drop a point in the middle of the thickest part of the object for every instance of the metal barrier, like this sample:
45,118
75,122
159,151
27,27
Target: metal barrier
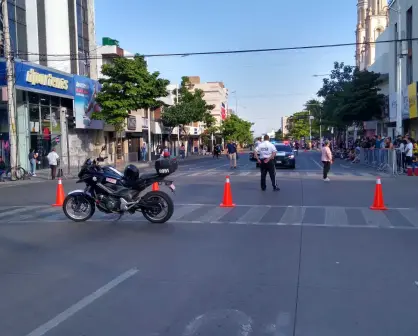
390,161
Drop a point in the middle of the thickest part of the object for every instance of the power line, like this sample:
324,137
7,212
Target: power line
226,52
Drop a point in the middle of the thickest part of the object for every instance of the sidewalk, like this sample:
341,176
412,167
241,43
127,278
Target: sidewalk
45,174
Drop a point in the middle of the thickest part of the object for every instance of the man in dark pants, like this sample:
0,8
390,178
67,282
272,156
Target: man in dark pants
265,154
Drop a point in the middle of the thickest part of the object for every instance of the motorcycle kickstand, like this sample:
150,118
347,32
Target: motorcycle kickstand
120,216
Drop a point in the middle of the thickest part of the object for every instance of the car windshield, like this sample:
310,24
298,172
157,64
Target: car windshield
283,148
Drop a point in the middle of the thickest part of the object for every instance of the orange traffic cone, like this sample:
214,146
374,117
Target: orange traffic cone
378,203
227,202
155,186
59,200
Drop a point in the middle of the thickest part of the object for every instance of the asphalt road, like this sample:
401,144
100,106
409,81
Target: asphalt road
310,260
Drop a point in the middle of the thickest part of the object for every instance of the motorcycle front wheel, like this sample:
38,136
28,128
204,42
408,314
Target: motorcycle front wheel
163,209
78,208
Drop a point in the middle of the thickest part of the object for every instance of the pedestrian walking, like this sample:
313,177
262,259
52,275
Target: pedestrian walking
53,158
232,153
265,154
326,159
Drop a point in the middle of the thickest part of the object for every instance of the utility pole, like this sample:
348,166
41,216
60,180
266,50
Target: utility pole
149,135
10,87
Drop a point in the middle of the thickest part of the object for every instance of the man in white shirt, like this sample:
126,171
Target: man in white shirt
53,158
409,152
265,154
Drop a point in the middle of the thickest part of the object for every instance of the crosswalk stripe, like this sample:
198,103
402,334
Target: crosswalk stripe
336,216
254,215
249,215
411,215
183,210
375,218
293,215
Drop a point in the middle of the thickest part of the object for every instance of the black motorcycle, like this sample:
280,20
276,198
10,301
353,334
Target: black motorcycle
112,192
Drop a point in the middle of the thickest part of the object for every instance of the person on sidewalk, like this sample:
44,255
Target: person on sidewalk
33,159
53,158
232,153
2,168
265,154
144,151
326,159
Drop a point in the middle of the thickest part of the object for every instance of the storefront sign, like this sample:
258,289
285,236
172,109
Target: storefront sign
412,97
32,77
85,104
35,78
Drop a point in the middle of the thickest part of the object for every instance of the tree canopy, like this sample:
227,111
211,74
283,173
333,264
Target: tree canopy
350,96
191,107
237,129
128,86
298,125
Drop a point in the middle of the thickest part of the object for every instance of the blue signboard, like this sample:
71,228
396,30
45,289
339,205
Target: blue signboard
85,104
36,78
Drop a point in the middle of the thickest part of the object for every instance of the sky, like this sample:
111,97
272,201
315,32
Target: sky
267,85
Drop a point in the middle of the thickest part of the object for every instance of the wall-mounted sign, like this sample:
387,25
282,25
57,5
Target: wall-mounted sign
131,124
35,78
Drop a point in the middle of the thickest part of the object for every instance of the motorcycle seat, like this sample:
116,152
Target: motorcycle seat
148,176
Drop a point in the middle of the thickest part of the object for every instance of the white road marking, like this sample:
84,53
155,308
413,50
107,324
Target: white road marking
317,163
66,314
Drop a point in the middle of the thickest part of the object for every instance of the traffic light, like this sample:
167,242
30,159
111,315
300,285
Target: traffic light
71,121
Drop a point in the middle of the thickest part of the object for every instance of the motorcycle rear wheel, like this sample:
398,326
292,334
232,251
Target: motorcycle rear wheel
86,201
159,197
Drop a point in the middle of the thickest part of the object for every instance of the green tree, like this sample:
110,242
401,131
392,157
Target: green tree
236,129
191,108
279,135
315,108
298,125
128,86
350,96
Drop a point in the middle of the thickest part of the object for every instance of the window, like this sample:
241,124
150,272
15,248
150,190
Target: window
22,41
33,98
20,15
396,55
85,15
79,20
281,148
409,66
80,41
21,3
11,10
12,28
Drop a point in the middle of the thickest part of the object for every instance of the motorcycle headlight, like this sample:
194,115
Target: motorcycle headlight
291,156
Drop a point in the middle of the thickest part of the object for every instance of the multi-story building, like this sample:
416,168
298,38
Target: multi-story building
283,126
215,94
372,20
61,35
402,19
50,83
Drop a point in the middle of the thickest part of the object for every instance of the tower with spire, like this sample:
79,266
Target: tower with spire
372,20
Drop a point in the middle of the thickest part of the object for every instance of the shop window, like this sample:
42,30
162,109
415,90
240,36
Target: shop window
33,98
67,103
46,122
34,118
55,121
44,99
55,101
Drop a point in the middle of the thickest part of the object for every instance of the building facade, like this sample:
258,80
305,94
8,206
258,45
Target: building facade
403,18
372,20
283,126
51,88
61,35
